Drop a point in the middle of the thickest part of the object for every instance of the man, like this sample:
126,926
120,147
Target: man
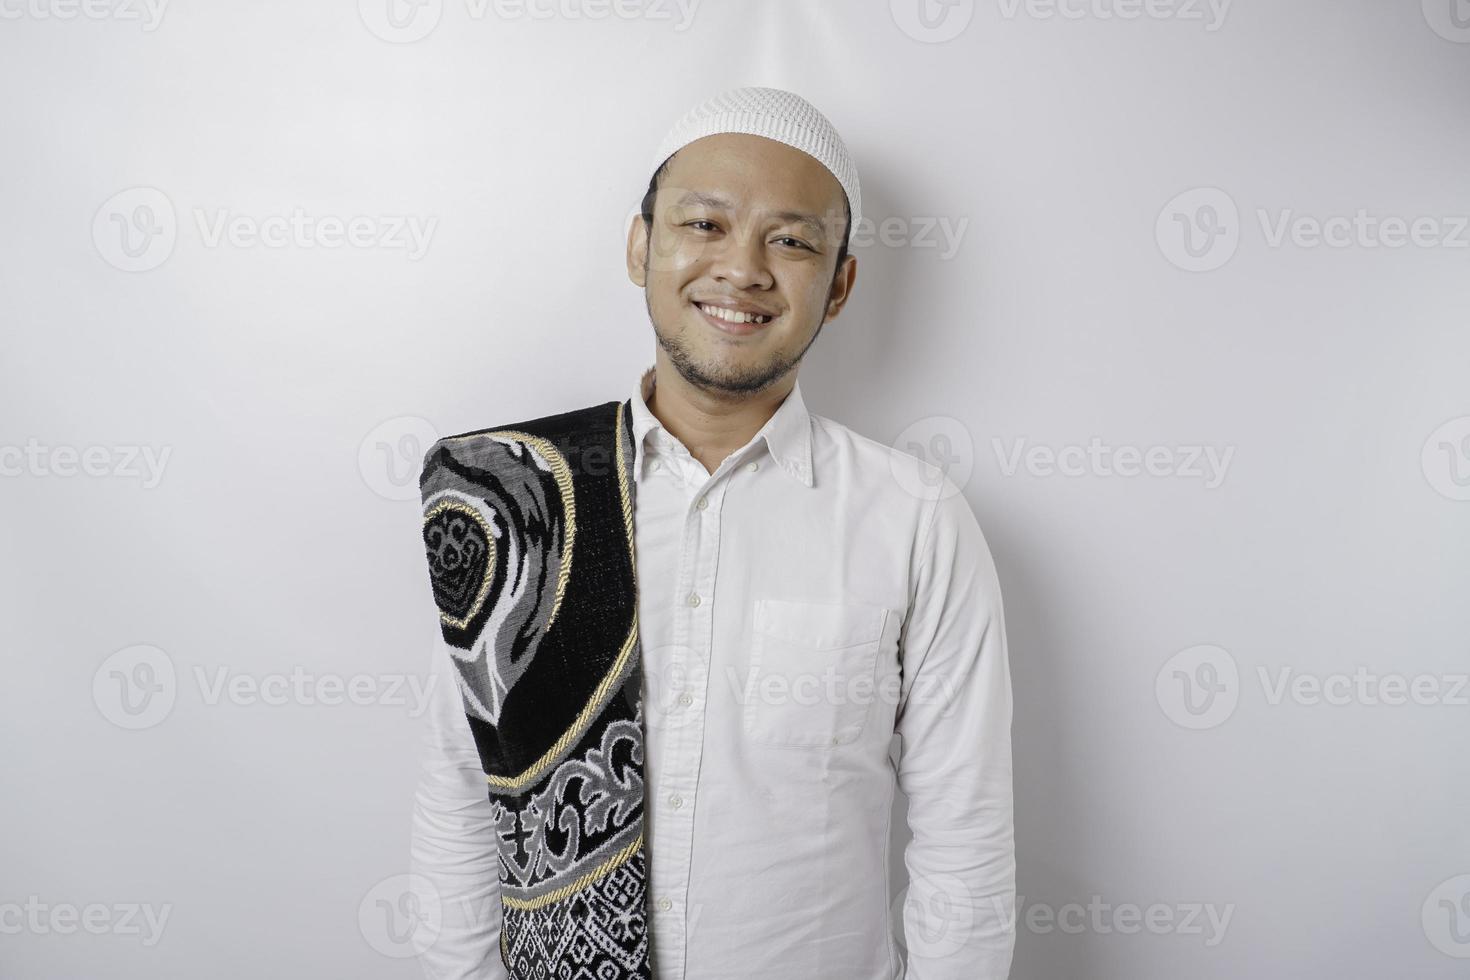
803,593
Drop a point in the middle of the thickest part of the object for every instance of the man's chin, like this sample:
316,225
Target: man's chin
717,375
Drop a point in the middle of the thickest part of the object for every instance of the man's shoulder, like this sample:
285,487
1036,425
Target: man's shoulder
556,433
544,426
900,467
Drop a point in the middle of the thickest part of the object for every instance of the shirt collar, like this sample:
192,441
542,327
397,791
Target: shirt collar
787,433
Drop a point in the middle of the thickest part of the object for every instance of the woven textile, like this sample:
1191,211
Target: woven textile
528,530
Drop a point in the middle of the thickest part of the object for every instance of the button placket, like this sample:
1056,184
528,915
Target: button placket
686,741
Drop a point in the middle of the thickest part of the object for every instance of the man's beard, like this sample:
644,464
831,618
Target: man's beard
722,382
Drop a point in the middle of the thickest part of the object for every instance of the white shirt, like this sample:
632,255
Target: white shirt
816,594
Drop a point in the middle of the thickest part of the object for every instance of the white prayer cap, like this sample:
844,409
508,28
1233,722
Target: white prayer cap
775,114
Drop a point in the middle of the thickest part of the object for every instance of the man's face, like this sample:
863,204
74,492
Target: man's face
748,224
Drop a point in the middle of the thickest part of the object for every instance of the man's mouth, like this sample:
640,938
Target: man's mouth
734,317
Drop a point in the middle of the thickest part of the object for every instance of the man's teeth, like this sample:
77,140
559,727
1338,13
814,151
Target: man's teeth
733,316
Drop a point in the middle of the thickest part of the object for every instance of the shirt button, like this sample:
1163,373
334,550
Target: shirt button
752,466
703,503
693,598
686,699
664,904
676,801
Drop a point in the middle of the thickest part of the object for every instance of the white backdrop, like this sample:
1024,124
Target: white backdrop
1178,291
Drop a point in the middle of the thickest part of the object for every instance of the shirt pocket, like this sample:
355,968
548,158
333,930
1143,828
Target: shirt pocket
813,671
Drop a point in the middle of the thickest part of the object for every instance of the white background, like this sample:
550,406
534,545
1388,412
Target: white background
294,386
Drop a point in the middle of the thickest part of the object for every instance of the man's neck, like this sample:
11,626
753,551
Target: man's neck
711,425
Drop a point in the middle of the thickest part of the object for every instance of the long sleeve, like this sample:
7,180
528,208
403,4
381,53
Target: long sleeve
453,843
954,719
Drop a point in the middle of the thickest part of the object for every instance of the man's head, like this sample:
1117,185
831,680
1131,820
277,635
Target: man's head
751,209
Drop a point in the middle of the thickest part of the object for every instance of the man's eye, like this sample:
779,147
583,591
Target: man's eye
700,221
795,241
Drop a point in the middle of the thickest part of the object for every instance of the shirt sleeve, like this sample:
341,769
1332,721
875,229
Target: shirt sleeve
453,840
954,720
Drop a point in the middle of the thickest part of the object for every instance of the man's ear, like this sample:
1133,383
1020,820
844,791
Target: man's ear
842,284
638,231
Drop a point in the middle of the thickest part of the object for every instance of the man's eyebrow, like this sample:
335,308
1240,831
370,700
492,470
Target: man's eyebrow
715,201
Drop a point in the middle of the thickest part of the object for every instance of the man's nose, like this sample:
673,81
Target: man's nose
740,258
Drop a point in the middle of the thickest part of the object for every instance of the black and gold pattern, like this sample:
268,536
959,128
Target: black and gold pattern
528,531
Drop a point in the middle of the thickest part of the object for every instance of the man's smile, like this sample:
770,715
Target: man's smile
733,321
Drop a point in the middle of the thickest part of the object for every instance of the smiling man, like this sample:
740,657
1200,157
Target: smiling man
686,629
